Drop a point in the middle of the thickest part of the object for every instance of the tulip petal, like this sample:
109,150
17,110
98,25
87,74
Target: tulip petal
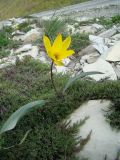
57,45
47,43
65,54
66,43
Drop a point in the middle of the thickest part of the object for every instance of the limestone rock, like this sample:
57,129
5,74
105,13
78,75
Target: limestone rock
117,70
97,26
61,69
33,53
92,57
43,58
88,29
116,36
108,33
101,66
24,48
17,21
114,54
18,38
104,140
98,43
88,50
32,36
17,33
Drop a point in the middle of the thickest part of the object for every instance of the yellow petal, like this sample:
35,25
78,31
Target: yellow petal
65,54
66,43
59,63
47,43
57,45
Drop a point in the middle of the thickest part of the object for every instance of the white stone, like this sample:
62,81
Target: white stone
7,61
104,140
32,35
116,36
33,53
90,58
61,69
7,23
45,18
24,48
114,53
66,61
98,43
77,67
43,58
117,70
16,33
108,33
97,26
101,66
93,58
88,29
18,38
18,20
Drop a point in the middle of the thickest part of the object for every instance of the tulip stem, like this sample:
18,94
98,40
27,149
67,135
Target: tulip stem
53,79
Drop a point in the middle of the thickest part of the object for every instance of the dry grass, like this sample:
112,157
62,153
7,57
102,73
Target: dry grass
16,8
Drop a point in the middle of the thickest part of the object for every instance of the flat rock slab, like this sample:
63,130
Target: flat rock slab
114,54
98,43
101,66
104,140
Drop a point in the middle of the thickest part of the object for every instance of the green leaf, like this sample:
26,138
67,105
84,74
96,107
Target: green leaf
17,115
81,75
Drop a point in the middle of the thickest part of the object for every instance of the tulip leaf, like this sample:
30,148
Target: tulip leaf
81,75
17,115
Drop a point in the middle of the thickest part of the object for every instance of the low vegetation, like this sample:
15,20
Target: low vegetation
48,139
6,42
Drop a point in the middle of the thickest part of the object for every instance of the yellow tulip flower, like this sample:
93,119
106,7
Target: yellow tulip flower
58,50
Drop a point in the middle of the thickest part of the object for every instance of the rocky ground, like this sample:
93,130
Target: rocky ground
102,54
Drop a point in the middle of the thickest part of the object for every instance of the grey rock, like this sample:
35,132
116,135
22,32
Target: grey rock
17,33
87,29
98,43
117,70
114,53
109,33
116,37
88,50
101,66
32,35
97,26
104,140
24,48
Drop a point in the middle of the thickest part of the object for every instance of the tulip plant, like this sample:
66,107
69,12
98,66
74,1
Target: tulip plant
57,52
